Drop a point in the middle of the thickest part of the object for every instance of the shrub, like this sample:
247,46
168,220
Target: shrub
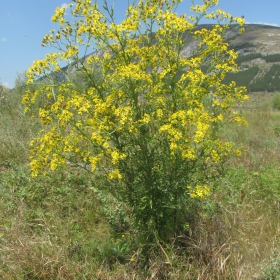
276,101
141,128
272,271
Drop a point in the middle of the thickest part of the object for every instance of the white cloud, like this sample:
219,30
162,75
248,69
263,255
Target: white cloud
3,39
64,5
5,84
264,23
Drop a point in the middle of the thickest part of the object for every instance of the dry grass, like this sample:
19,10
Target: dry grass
55,227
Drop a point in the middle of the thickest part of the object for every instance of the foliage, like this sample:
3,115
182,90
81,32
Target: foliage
276,101
242,78
243,46
269,82
3,90
56,226
272,271
248,57
15,127
272,57
251,56
143,132
21,82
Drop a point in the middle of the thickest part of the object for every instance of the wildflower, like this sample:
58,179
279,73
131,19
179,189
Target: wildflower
199,191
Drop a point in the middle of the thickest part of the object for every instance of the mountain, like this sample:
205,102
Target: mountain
258,61
259,58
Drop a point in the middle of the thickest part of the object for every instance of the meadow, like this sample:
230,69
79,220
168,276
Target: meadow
57,227
138,164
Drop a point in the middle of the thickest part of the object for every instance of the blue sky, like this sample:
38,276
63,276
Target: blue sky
23,24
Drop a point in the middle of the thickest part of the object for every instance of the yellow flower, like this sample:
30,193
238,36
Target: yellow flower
115,174
199,191
130,100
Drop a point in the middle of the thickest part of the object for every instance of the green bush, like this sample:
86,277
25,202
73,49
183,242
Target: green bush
276,101
272,271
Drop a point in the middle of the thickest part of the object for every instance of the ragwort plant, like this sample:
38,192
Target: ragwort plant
140,123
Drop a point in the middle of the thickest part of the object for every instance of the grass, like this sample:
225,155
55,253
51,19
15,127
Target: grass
55,227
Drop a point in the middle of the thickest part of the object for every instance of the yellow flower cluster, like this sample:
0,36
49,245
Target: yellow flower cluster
199,191
146,98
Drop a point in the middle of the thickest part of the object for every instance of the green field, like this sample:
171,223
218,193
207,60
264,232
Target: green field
56,227
142,159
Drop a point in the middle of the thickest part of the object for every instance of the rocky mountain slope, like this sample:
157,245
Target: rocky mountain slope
259,57
258,61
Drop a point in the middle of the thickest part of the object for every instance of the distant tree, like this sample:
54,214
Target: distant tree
272,57
242,78
21,81
248,57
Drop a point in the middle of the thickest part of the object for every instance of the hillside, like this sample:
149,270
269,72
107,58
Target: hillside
122,173
259,58
258,61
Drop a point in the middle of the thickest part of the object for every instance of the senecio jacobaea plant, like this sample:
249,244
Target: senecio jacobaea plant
141,121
